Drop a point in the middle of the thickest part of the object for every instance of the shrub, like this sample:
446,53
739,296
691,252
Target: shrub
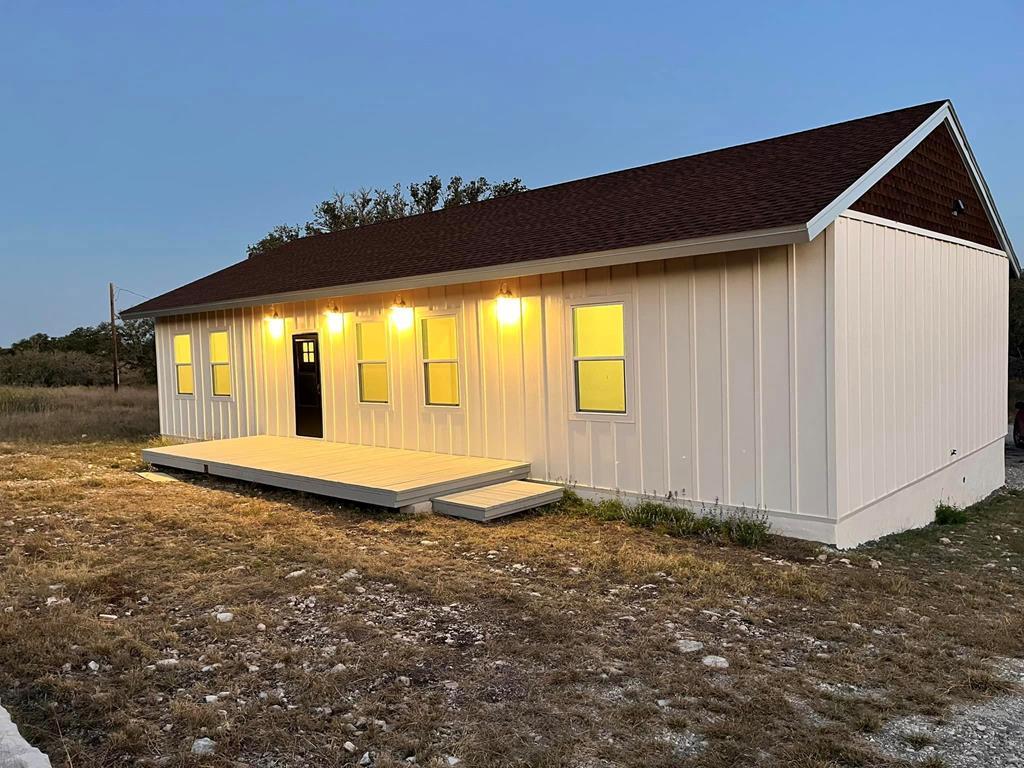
747,529
53,369
947,514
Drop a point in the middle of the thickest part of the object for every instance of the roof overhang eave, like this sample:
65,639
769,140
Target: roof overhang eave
680,248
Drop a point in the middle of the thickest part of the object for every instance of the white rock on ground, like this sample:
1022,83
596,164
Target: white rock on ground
15,752
225,616
715,662
203,746
689,646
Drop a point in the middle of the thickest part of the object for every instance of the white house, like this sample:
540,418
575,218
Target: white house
812,325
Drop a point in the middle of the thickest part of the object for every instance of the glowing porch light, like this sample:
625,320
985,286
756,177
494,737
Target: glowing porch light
335,319
508,306
275,324
401,314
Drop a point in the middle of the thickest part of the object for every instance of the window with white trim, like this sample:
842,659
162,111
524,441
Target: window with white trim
220,363
183,376
372,361
440,360
599,357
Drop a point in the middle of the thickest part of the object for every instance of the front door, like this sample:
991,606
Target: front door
309,416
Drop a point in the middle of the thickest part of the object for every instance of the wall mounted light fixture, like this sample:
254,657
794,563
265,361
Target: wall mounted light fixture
508,306
275,324
401,314
335,319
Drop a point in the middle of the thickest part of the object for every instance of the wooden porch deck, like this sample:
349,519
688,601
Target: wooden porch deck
388,477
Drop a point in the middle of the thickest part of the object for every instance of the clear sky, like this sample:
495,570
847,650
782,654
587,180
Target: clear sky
148,143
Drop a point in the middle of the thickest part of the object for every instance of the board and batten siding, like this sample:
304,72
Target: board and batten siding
844,386
727,379
920,373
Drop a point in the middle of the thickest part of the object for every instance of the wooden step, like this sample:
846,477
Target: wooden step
489,502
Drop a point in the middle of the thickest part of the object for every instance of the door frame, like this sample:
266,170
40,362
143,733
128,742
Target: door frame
315,336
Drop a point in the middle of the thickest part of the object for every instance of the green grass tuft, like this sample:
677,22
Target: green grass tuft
947,514
748,529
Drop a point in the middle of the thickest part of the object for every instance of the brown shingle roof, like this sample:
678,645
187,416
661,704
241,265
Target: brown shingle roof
761,185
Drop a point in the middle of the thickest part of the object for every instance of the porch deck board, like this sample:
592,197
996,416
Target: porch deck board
493,501
390,477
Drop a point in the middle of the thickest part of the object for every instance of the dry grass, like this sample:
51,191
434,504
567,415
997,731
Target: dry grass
544,640
77,413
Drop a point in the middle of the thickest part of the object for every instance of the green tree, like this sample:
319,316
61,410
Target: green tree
1016,330
279,235
82,356
372,206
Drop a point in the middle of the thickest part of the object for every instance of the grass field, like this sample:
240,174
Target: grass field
77,413
544,640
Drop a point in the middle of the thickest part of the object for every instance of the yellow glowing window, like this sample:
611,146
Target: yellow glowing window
440,360
183,364
220,363
372,361
599,358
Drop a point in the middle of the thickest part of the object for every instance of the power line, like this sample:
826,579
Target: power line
133,293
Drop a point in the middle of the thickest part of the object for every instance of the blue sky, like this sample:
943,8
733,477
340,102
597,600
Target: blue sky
149,143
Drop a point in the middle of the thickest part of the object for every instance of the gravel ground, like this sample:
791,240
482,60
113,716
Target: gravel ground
989,734
1014,466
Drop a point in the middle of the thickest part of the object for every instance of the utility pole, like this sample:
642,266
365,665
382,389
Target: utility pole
113,337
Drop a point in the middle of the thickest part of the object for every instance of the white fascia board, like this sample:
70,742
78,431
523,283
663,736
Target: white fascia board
982,187
856,190
694,247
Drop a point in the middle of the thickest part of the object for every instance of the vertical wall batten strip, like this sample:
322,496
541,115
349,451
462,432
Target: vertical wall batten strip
723,329
794,398
758,350
695,398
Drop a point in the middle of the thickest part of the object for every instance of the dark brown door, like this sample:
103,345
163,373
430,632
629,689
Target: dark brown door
309,415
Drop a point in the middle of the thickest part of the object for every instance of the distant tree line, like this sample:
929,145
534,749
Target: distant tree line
366,206
82,357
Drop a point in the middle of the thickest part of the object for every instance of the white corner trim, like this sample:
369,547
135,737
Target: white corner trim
930,233
739,241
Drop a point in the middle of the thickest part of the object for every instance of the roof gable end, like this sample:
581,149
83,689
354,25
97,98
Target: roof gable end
911,183
924,189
